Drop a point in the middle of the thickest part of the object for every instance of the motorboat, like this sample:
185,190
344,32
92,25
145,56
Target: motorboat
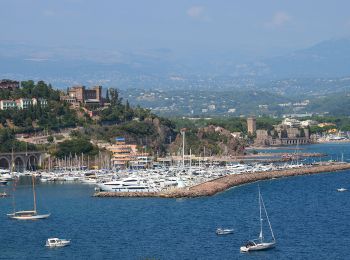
6,176
56,242
259,243
224,231
3,194
342,189
3,182
126,185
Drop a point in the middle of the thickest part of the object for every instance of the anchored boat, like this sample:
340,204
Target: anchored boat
341,189
259,243
56,242
28,214
224,231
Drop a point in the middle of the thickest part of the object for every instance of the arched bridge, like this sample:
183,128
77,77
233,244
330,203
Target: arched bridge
21,161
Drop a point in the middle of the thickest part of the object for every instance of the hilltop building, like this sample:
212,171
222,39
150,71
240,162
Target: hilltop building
78,95
251,125
9,84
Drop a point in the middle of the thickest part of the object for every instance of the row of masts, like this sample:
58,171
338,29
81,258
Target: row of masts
82,161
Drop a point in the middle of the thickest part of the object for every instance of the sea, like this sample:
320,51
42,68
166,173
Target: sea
309,218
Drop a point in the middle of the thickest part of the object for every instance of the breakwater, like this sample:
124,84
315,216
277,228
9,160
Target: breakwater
221,184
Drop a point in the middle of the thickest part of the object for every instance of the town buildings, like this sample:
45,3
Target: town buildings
289,132
124,155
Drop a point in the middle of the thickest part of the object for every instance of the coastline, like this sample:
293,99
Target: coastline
213,187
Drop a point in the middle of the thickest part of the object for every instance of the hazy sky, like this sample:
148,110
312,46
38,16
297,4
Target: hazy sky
261,26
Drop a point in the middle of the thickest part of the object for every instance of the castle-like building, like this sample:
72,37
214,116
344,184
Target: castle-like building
289,132
78,95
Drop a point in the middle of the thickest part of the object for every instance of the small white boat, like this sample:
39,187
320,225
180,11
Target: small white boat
342,189
3,182
224,231
3,194
56,242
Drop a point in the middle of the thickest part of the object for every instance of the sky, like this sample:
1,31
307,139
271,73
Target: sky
259,27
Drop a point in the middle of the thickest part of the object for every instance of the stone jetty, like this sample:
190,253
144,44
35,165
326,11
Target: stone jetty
221,184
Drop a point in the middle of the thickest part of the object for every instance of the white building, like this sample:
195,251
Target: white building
25,103
7,104
22,103
211,107
307,123
291,122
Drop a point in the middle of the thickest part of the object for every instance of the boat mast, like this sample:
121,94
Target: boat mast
261,231
268,220
34,195
183,149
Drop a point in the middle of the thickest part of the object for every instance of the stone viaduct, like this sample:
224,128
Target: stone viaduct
21,161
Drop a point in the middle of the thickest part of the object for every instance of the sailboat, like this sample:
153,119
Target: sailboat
29,214
259,243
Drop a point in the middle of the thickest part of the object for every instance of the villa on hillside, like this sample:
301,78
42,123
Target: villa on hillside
80,95
22,103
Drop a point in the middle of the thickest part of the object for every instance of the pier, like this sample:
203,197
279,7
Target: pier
213,187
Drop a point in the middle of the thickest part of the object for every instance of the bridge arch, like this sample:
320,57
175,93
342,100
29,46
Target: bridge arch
32,162
19,164
4,163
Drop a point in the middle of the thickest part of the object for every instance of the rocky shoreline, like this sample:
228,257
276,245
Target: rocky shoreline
221,184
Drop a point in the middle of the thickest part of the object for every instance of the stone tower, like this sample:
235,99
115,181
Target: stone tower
251,125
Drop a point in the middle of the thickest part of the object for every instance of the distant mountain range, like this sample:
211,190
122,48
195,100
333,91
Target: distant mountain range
326,59
155,68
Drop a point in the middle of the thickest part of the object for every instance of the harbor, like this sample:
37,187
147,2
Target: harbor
171,219
221,184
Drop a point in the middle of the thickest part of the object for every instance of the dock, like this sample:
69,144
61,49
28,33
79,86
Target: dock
215,186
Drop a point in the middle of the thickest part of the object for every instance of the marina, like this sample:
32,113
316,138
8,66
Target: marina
180,221
220,184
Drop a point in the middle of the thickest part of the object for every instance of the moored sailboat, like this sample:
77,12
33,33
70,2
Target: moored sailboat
29,214
259,243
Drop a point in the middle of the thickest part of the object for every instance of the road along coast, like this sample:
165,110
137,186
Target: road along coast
221,184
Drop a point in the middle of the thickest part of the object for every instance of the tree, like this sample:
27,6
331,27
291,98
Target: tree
107,96
50,139
114,97
76,146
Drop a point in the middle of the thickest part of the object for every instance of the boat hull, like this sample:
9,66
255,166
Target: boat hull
29,215
224,231
61,244
258,247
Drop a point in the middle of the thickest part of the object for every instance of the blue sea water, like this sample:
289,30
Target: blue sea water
309,217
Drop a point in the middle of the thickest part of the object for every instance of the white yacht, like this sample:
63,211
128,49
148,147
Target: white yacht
224,231
126,185
342,189
5,175
56,242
